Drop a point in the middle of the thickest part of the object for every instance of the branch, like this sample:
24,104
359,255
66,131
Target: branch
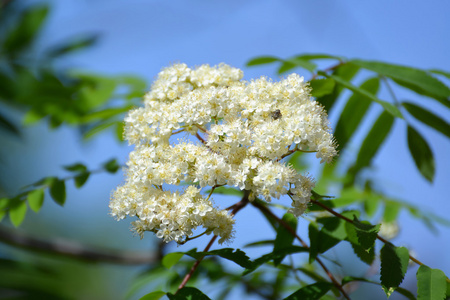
73,250
236,207
294,233
351,221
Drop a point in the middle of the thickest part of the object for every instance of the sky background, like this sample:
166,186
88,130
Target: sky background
141,37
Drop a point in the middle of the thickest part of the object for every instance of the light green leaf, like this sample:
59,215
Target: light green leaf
415,79
394,111
373,141
294,62
354,111
321,87
120,133
311,292
440,72
17,212
391,211
394,263
284,237
58,191
153,296
431,284
170,259
428,118
421,153
262,60
35,199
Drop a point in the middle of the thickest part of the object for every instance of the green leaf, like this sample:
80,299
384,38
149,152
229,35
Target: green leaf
421,153
222,190
81,179
24,33
58,191
373,141
188,293
153,296
74,45
271,256
322,87
105,114
235,255
311,292
35,199
394,111
111,166
431,284
17,211
440,72
416,80
394,263
348,279
284,238
391,211
366,256
354,111
170,259
262,60
366,233
428,118
120,131
97,129
313,56
294,62
344,71
77,168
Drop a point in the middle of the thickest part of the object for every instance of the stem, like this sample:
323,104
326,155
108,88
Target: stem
351,221
237,207
292,231
329,69
73,249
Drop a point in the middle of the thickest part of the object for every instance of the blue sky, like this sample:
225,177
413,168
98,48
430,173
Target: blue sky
141,37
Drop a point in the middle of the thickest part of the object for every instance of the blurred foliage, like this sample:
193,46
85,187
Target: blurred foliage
32,83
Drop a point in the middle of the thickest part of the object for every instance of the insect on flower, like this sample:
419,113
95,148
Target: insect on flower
276,114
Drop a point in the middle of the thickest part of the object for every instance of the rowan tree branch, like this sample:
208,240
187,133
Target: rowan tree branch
73,250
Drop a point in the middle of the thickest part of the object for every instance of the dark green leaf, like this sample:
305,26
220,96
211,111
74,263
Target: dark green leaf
81,179
322,87
271,256
431,284
75,45
294,62
373,141
421,153
348,279
394,111
111,166
153,296
77,168
262,60
394,263
58,191
260,244
440,72
8,126
284,237
428,118
354,111
26,30
366,256
366,233
188,293
170,259
313,56
344,71
411,78
235,255
35,199
17,211
311,292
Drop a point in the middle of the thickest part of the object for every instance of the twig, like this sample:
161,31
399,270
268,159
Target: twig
237,207
73,249
351,221
292,231
329,69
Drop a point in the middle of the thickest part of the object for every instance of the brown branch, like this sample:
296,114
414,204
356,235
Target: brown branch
73,250
328,69
294,233
237,207
351,221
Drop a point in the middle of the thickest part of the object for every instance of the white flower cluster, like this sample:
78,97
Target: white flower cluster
242,131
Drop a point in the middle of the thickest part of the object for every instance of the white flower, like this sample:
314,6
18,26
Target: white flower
242,131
